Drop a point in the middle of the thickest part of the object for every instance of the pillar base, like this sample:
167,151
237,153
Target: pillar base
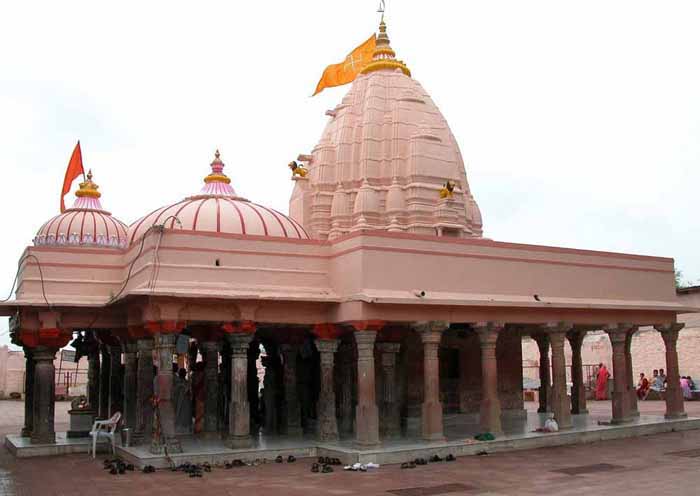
676,416
25,432
586,412
295,431
45,439
238,442
621,421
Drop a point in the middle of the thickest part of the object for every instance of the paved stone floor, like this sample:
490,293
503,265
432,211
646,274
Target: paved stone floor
641,466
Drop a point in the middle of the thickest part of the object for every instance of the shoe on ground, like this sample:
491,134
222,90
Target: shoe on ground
314,468
327,469
450,458
279,459
291,459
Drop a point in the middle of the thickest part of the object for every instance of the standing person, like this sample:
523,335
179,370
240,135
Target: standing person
601,390
643,387
686,388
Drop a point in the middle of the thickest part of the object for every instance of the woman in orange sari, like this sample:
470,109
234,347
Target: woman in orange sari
601,390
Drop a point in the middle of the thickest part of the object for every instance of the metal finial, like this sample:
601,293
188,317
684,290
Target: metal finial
382,8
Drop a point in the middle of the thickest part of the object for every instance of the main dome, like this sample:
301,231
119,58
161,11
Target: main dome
385,161
86,223
217,209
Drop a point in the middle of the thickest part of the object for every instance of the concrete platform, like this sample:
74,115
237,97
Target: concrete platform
459,442
21,447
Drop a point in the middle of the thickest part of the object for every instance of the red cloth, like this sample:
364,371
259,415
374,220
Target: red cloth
601,390
643,389
75,169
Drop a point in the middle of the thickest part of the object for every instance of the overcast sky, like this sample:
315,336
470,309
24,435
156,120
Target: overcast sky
579,121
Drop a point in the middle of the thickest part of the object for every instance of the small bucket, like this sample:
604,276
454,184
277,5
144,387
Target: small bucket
126,437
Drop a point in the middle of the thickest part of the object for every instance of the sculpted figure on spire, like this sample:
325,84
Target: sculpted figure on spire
382,160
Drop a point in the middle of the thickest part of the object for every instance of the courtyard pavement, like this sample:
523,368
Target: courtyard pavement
664,464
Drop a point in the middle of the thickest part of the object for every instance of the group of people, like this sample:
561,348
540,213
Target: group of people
658,382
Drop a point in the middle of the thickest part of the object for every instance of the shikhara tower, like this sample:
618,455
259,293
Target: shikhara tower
382,159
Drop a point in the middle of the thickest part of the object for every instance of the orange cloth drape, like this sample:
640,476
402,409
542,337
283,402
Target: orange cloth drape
75,169
347,71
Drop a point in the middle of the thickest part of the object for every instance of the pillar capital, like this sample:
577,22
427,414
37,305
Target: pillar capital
239,343
327,345
365,342
164,326
389,348
557,330
209,346
488,332
367,325
326,331
44,354
576,337
242,327
669,332
129,348
144,345
618,332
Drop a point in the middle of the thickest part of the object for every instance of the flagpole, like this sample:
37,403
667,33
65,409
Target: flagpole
81,156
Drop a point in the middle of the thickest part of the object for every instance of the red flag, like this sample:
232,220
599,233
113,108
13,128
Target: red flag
75,169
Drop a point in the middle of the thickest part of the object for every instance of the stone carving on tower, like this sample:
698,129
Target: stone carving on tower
382,161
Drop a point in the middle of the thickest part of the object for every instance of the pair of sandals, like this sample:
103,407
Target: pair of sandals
148,469
234,463
290,459
448,458
325,469
117,466
324,460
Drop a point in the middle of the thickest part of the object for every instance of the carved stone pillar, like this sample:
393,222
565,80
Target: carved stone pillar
165,349
389,408
366,412
44,396
431,413
28,393
545,392
327,422
105,366
144,389
490,411
93,387
210,353
674,394
631,385
620,403
239,409
347,382
115,380
578,388
291,395
130,385
561,406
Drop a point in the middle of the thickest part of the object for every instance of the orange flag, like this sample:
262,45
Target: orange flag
75,169
347,71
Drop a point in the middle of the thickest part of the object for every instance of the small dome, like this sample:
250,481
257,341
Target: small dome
217,209
86,223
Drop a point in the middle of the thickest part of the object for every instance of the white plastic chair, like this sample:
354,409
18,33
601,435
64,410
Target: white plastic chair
105,428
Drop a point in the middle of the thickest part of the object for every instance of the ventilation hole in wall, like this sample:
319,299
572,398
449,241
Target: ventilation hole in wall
217,262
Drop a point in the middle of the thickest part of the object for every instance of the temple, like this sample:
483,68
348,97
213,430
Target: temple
383,313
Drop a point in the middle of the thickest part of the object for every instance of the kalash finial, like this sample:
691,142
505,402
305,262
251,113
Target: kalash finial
217,171
88,188
384,56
